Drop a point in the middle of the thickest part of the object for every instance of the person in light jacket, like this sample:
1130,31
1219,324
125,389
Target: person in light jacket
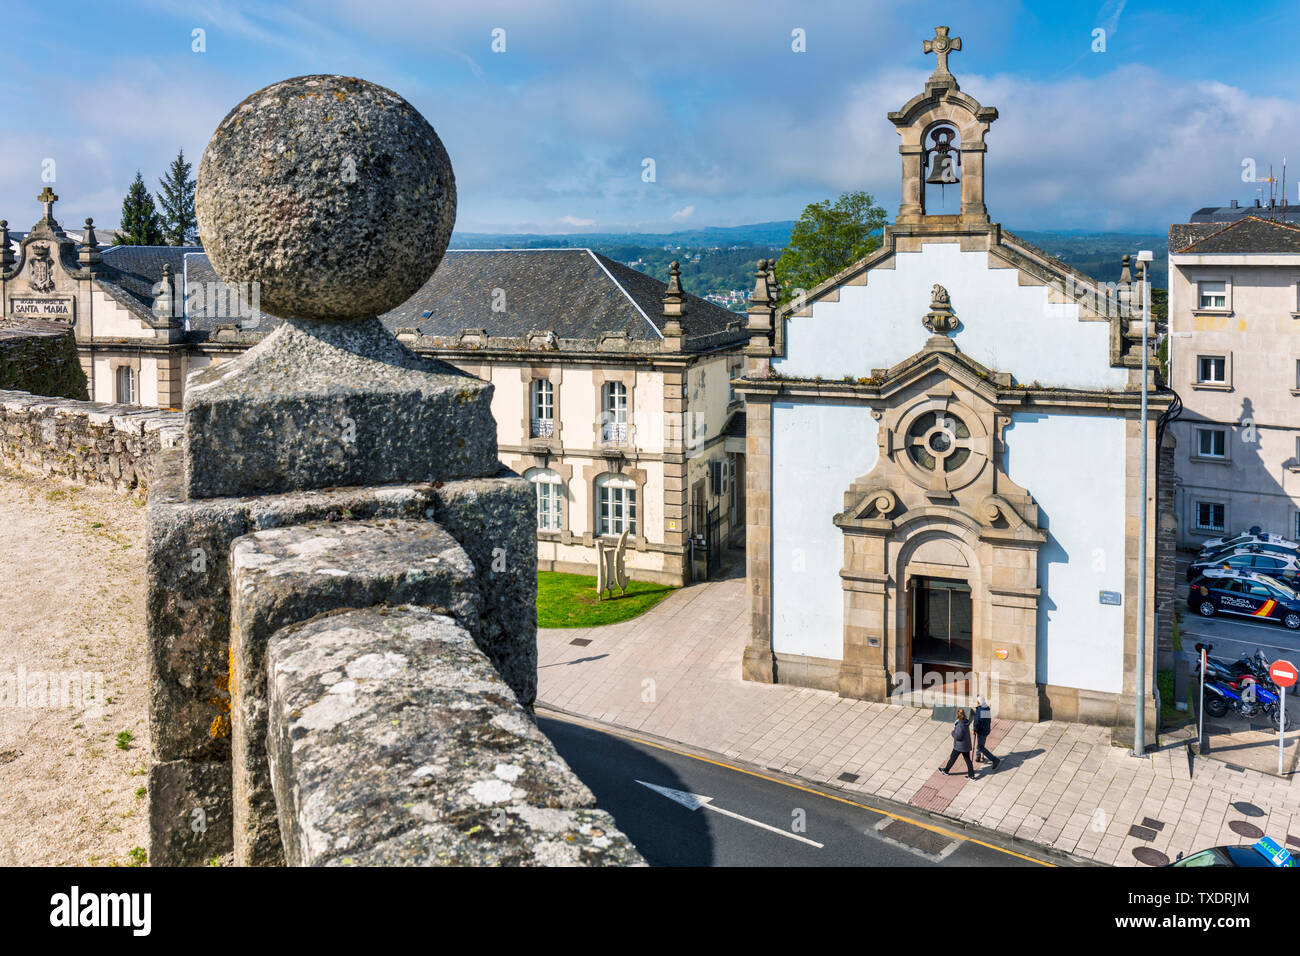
960,744
983,725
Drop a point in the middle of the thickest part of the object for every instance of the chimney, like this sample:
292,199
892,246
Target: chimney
1256,202
1234,204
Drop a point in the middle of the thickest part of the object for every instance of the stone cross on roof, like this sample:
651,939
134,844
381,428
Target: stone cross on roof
49,199
941,46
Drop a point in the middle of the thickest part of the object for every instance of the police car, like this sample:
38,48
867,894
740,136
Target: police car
1273,560
1252,536
1244,592
1267,852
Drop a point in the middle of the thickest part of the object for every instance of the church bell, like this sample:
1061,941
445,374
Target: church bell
943,158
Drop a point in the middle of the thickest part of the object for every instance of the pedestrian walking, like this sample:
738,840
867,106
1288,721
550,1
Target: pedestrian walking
983,724
960,744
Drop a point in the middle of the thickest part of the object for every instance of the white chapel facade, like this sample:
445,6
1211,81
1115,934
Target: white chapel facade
943,458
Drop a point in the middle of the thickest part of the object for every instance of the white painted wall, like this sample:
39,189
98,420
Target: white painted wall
817,452
1006,326
111,320
147,381
1073,465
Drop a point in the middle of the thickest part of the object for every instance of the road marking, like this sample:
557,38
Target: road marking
1241,640
695,801
605,729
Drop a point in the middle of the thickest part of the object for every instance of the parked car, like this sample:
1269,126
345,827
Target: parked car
1267,852
1244,592
1272,560
1251,536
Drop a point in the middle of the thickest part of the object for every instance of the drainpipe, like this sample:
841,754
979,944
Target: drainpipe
1139,717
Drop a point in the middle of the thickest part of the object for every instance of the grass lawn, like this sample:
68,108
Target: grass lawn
569,600
1170,716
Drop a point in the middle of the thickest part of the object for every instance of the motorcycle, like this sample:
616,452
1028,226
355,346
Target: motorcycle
1242,686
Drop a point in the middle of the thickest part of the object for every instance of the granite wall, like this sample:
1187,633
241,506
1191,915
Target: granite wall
41,358
92,443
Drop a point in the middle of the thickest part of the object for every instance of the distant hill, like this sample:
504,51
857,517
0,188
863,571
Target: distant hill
1099,254
757,234
719,260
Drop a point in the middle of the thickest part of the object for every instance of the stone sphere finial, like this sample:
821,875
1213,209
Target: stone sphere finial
333,194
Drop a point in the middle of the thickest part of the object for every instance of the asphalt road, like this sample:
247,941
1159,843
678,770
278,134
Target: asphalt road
749,820
1232,635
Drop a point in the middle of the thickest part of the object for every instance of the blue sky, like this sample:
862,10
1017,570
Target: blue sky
550,135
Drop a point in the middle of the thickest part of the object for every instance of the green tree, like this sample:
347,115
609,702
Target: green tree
179,225
140,224
828,238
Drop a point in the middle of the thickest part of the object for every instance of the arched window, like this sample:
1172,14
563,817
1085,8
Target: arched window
125,385
542,403
613,406
550,497
615,505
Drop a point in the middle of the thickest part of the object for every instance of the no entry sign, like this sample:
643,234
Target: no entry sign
1283,673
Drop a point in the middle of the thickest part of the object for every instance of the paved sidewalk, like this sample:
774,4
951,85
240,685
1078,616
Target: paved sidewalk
675,672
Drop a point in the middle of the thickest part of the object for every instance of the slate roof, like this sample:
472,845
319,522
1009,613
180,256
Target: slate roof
212,304
1251,234
574,292
1228,214
137,270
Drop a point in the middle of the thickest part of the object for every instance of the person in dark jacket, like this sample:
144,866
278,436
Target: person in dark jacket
960,744
983,725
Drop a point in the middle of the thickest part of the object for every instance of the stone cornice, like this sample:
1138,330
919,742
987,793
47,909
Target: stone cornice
1005,250
1015,398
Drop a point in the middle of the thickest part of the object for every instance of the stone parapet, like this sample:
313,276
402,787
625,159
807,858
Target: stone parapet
282,576
393,741
92,443
41,358
322,404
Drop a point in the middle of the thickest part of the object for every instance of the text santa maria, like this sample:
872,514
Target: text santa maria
62,308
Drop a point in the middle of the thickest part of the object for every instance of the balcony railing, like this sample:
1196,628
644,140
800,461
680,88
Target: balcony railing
543,427
612,433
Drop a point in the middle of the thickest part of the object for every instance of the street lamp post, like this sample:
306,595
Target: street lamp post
1139,716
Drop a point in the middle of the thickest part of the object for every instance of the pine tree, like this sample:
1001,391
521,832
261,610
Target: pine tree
140,224
179,225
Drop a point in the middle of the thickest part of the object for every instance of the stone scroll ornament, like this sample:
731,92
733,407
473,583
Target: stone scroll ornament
940,319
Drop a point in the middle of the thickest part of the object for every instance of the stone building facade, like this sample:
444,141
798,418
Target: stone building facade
943,447
612,390
1234,305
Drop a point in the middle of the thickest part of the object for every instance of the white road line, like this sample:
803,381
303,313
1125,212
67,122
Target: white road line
696,801
1289,648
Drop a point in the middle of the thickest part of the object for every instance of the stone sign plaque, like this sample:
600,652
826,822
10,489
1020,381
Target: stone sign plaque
51,308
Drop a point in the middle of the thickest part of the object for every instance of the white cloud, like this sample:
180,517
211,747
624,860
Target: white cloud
682,215
576,222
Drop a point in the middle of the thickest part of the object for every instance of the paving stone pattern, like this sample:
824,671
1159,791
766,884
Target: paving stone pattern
675,672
